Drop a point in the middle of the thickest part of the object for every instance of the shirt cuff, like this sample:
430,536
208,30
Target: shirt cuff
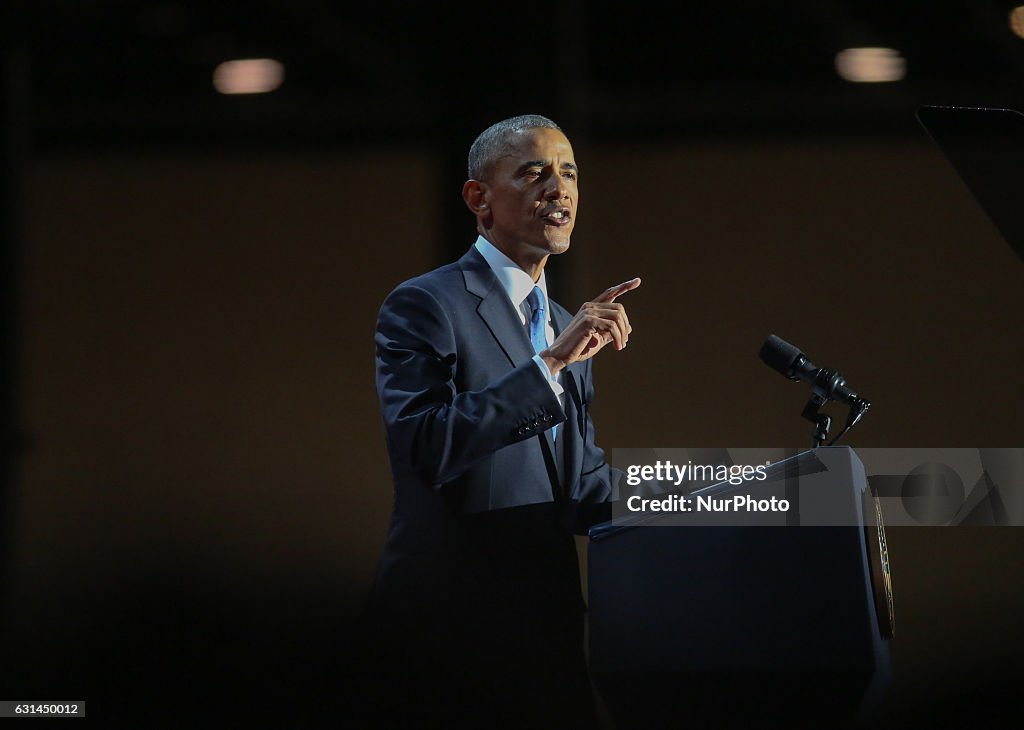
556,388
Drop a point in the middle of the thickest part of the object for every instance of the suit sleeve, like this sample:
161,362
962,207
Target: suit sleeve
433,430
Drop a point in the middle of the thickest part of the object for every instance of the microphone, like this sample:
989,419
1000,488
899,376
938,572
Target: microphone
788,360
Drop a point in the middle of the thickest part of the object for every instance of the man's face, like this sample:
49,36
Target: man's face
532,196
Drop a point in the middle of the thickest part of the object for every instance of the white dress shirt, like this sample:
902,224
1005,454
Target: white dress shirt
518,285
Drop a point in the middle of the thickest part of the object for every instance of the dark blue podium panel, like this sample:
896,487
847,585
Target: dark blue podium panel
696,599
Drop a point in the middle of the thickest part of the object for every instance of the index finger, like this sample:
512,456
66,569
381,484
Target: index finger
618,290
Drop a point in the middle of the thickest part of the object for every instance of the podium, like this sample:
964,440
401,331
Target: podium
731,623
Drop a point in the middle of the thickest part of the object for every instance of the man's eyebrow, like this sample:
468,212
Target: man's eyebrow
532,163
544,163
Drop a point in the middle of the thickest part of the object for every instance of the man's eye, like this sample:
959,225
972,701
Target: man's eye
570,175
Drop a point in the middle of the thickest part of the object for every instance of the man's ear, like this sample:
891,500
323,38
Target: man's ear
477,196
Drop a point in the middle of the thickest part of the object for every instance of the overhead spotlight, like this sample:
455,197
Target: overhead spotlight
248,76
871,65
1017,21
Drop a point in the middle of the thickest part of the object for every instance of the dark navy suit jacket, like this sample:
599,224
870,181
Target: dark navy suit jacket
480,563
468,413
463,402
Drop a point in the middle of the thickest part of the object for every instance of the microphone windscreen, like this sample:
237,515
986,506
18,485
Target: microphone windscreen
779,355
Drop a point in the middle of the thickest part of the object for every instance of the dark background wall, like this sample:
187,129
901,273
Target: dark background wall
199,482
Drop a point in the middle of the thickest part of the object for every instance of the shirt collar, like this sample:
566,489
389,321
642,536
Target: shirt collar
516,282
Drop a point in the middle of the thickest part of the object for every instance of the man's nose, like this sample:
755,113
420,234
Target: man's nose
557,189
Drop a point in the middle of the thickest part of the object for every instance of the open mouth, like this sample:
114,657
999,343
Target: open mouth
557,217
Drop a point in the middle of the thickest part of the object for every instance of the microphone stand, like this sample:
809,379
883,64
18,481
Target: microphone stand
858,408
825,384
822,421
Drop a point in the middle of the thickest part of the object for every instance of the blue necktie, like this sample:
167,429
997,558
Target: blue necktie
538,328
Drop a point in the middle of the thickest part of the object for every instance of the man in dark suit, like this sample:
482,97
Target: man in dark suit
485,388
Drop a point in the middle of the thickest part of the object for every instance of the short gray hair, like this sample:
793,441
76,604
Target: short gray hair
494,140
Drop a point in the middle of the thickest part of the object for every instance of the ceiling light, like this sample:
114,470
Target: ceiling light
248,76
870,65
1017,21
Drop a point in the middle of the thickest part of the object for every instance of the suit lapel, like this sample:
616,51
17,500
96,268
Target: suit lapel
501,319
495,308
575,433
